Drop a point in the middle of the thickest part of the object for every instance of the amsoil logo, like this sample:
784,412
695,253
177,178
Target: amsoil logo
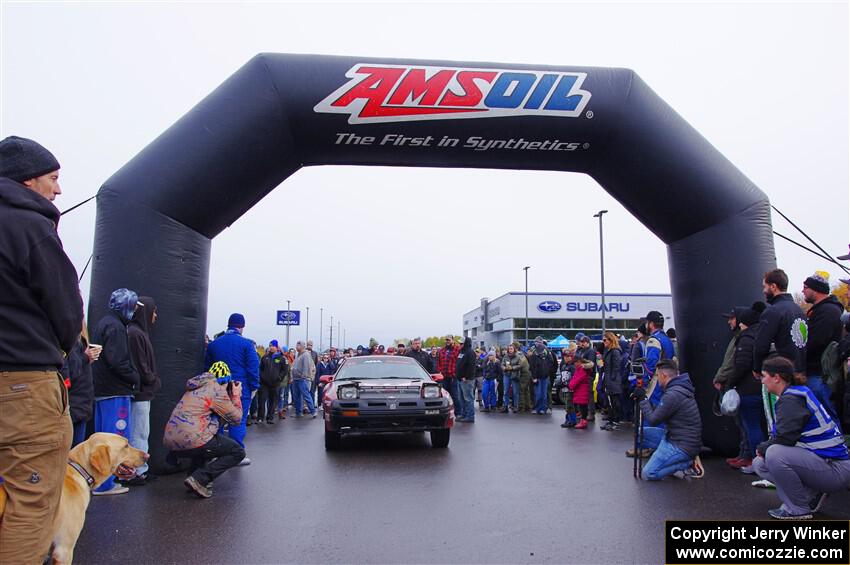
398,93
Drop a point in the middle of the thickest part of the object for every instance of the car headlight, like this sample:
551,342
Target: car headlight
431,391
348,392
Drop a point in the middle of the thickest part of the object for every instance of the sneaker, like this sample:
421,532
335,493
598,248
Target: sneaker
694,471
748,470
313,415
281,415
117,489
568,425
730,461
742,462
582,425
196,487
782,513
763,483
270,421
139,480
817,502
244,463
644,453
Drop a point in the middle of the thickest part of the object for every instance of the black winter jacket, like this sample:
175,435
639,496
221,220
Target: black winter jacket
465,366
274,368
114,372
424,359
778,326
493,370
542,365
824,327
613,365
81,393
742,378
678,409
141,350
41,311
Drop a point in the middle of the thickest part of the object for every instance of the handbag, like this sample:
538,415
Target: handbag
730,402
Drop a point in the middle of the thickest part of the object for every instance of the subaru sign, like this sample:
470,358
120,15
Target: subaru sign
288,317
549,306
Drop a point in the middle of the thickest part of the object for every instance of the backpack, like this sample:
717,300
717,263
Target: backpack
832,367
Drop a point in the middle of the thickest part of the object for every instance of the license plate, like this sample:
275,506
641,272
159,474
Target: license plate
431,412
393,405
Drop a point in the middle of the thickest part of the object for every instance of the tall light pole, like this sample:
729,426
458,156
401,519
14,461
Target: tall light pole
332,332
287,326
321,327
601,266
307,327
526,304
338,331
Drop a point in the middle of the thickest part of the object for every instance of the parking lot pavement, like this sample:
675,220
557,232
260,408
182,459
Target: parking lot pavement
509,489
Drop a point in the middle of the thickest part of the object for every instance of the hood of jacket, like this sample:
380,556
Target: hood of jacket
16,195
144,314
199,381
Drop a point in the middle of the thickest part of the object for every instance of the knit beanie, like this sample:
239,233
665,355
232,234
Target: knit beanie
23,159
819,282
236,320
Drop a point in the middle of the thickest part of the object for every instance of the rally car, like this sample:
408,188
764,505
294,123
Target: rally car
382,394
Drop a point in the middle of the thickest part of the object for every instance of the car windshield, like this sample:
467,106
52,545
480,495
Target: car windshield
381,368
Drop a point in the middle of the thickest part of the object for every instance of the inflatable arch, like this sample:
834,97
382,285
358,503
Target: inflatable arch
157,215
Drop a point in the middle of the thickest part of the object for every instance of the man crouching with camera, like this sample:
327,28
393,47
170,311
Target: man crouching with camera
192,429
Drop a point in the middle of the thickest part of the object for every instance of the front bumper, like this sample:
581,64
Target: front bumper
352,417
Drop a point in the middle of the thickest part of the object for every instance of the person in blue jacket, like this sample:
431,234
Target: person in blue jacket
658,347
239,354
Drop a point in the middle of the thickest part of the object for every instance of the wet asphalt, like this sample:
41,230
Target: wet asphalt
508,489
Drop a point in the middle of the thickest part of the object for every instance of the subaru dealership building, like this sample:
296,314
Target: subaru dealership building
501,321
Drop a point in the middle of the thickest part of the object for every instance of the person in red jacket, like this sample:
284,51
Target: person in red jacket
446,365
580,387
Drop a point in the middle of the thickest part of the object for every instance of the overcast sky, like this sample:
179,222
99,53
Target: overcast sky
394,252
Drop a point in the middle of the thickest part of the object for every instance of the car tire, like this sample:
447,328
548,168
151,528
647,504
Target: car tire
440,438
332,440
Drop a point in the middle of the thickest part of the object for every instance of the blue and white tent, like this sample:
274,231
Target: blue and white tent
558,342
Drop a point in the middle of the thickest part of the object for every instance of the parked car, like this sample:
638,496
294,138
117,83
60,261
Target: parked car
385,394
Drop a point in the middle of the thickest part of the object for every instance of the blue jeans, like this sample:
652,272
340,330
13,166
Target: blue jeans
509,399
822,392
541,395
667,458
467,393
238,431
301,390
283,400
454,391
751,412
112,415
140,414
488,393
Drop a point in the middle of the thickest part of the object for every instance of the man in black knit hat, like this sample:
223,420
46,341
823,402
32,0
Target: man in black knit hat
824,323
41,315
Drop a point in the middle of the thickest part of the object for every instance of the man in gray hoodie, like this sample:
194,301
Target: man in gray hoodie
678,448
303,370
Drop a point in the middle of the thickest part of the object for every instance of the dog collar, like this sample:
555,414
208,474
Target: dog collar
77,467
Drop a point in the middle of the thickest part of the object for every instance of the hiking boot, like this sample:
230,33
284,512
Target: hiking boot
196,487
782,513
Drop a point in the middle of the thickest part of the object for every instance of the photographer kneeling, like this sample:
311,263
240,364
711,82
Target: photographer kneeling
678,449
192,429
805,456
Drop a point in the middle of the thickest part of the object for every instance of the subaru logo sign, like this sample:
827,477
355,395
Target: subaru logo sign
549,306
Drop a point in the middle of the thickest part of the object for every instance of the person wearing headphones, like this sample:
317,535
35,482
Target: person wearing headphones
192,430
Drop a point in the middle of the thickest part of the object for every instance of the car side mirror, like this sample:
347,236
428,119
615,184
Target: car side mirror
437,377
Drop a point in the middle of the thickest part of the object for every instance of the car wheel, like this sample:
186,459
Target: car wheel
440,438
332,440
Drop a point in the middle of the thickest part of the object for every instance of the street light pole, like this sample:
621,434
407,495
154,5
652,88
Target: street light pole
338,331
307,327
332,332
526,304
287,326
321,327
601,266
